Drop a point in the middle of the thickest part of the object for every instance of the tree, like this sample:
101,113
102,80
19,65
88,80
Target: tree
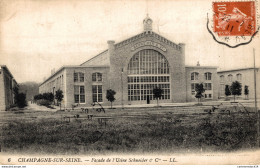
246,91
48,96
227,91
199,91
38,97
236,89
21,100
111,96
157,93
59,96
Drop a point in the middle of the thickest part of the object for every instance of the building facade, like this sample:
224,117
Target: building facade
132,68
245,76
7,85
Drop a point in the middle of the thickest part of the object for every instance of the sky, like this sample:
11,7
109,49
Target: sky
37,36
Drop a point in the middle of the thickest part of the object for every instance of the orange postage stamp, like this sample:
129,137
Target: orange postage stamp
234,18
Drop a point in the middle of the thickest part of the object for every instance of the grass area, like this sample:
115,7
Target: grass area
143,130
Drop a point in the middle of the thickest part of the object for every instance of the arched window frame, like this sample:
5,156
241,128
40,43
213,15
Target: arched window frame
230,77
97,77
148,69
222,77
239,77
194,76
208,75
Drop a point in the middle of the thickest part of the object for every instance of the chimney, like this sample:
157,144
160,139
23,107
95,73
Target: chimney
198,63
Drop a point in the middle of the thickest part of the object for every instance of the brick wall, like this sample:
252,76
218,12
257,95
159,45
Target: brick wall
121,55
247,79
201,70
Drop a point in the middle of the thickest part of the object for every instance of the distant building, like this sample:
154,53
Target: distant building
7,85
245,76
132,68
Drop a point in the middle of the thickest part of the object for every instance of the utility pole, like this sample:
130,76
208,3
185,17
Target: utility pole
256,111
122,89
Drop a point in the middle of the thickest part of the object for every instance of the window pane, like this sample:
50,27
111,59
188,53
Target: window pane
100,98
94,96
99,77
99,88
76,77
76,89
94,79
82,90
76,98
81,77
94,88
82,98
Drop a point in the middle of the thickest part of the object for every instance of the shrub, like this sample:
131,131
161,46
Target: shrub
48,96
236,89
43,102
111,96
59,96
199,91
21,100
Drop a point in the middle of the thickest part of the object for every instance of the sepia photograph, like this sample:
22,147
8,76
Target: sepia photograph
120,82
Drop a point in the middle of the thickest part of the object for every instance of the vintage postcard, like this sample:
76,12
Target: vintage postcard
120,82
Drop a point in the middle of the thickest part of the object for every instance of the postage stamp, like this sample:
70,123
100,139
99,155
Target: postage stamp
233,23
234,18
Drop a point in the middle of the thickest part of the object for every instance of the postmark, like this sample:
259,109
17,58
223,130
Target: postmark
233,23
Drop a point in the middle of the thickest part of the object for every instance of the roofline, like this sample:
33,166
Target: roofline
4,66
144,32
72,66
212,67
238,69
126,40
94,57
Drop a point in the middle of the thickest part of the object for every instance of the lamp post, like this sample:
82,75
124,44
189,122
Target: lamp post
257,113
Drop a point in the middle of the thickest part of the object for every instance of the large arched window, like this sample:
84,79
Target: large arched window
146,70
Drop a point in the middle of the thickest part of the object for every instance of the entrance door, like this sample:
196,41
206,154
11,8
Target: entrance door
148,99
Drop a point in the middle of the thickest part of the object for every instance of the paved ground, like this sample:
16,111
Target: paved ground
249,103
35,107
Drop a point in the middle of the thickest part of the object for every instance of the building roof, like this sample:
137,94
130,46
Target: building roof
5,67
238,69
103,58
209,67
72,66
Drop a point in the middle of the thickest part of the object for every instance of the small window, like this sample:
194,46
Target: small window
79,94
207,76
194,76
81,77
207,86
239,77
230,78
97,93
222,78
97,77
78,77
193,87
